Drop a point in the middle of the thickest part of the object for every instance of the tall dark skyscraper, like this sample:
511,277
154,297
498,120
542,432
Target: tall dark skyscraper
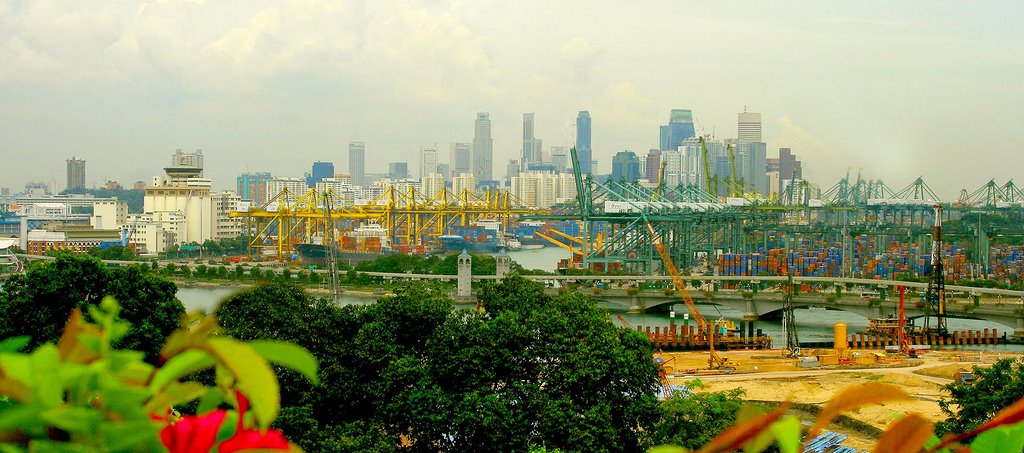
652,165
625,166
319,171
583,149
357,163
76,173
483,148
679,128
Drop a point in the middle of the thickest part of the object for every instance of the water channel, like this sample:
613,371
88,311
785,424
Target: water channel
813,325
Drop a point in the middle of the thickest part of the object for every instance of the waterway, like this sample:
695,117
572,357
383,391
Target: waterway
813,325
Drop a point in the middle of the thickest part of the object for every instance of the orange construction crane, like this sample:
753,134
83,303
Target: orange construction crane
709,333
677,280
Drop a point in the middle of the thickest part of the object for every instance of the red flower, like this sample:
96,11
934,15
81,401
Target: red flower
253,439
194,433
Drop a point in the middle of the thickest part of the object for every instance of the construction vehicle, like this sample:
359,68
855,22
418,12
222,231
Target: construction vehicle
705,331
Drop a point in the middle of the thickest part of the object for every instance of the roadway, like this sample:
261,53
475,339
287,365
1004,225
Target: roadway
652,278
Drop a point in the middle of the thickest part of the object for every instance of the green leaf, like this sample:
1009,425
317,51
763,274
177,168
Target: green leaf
122,359
253,374
174,394
45,375
1000,439
288,355
15,344
126,400
8,448
23,417
667,449
211,400
179,366
787,434
49,446
73,419
128,436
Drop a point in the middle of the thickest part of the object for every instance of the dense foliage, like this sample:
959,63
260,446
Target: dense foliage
530,370
972,403
482,264
692,419
134,197
38,302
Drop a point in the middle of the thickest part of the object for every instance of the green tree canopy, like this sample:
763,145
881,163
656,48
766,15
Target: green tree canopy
973,403
39,302
416,370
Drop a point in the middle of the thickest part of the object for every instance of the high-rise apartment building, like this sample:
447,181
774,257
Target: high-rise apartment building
749,127
679,128
76,173
319,171
252,187
625,166
357,162
483,148
461,158
464,181
432,184
652,165
428,162
584,152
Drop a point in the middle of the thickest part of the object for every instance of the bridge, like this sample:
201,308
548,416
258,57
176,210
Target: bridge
1002,306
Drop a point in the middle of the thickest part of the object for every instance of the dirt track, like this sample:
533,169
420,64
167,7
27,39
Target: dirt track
767,376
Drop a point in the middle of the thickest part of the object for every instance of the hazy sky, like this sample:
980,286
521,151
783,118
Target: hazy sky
897,89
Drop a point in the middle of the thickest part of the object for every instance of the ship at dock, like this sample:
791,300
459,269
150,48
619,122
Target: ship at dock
483,236
366,242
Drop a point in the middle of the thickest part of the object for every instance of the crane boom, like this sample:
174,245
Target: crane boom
707,169
677,280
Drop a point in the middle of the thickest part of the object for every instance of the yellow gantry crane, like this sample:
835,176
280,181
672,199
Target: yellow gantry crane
410,216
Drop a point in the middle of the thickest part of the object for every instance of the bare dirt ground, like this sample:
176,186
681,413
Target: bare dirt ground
768,376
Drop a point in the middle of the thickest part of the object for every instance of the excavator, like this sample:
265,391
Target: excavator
708,332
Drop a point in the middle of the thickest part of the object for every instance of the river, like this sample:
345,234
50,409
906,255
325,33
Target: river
812,325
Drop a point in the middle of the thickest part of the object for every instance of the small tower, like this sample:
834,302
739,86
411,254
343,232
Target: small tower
502,264
465,280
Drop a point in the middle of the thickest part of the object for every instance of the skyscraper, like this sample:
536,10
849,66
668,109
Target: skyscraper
789,168
583,149
76,173
319,171
532,153
428,162
749,127
625,166
483,148
679,128
461,158
652,165
398,170
560,157
512,170
357,162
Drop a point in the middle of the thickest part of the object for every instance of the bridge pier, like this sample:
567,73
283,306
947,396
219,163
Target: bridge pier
637,305
751,313
1018,332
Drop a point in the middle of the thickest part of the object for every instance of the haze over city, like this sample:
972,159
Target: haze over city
895,89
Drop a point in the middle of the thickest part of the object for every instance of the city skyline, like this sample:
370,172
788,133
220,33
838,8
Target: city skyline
262,88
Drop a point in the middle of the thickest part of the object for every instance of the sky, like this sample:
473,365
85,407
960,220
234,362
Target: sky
887,90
